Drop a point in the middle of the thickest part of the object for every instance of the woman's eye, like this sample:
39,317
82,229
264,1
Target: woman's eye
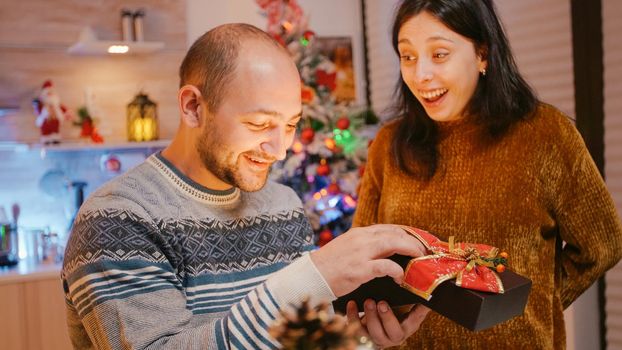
440,55
408,58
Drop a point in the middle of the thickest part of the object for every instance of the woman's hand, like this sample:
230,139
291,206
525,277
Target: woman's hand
382,326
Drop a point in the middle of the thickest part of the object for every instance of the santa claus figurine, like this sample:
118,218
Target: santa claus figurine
49,113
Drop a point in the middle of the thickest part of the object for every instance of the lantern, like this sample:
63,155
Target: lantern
142,119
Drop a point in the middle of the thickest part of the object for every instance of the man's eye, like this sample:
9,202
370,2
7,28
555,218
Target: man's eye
408,58
441,55
291,127
258,126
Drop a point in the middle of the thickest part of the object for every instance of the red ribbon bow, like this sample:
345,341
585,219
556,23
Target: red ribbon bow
468,263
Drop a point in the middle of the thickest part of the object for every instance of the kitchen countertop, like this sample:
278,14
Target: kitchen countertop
29,271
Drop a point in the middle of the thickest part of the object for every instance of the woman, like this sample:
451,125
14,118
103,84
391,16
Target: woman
475,155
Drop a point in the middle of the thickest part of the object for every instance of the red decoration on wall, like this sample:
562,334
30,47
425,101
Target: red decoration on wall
324,78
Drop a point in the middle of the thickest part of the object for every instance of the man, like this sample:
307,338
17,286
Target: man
194,248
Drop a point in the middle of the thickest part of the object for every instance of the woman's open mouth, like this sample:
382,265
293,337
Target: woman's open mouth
432,96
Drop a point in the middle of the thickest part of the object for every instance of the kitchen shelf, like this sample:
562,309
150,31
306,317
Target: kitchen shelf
100,47
81,146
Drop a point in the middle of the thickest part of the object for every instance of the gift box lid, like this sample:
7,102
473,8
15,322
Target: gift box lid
472,309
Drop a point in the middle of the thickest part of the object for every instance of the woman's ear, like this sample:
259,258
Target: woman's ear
189,99
482,54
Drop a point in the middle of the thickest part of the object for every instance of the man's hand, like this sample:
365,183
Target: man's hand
359,255
382,326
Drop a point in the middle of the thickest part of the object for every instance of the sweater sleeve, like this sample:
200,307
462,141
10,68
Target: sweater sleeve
588,224
123,291
370,188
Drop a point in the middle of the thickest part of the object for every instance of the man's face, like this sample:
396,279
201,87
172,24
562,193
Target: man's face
256,121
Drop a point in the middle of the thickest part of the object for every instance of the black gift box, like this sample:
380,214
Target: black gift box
472,309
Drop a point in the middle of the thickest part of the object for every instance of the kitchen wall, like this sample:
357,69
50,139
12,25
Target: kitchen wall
40,182
35,35
34,38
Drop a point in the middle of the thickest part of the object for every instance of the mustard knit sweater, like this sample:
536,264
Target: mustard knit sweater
533,189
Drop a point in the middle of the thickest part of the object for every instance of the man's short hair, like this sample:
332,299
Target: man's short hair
212,59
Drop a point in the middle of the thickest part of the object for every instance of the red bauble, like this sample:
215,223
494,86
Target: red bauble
308,34
333,188
307,135
343,123
110,164
324,237
113,165
323,170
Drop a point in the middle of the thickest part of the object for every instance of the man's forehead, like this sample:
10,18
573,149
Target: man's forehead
273,113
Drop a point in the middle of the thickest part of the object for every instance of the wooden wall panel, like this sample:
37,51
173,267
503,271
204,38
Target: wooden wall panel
34,36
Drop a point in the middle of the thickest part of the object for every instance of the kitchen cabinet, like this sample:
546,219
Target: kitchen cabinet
98,47
32,306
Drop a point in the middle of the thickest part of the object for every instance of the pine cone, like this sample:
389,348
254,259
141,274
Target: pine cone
314,329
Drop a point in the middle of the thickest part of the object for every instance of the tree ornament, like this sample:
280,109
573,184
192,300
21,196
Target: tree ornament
323,170
330,144
307,94
333,188
308,34
307,135
500,268
504,255
325,236
343,123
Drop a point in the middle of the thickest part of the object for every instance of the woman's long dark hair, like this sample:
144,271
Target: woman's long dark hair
501,98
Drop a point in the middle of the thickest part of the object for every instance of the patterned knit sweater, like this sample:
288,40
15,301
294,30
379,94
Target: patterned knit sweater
525,194
155,260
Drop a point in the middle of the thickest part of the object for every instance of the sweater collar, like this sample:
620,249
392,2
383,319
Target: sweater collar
450,125
463,126
190,187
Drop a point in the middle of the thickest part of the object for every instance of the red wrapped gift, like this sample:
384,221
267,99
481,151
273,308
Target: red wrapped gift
455,280
469,264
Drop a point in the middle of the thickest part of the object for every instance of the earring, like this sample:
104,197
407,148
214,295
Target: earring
483,71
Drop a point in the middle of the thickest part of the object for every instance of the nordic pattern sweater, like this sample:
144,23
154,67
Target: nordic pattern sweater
155,260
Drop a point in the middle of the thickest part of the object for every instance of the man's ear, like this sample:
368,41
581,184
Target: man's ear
189,99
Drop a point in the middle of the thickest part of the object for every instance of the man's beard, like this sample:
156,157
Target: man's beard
223,164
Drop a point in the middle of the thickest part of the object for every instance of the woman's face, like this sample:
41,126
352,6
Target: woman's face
440,66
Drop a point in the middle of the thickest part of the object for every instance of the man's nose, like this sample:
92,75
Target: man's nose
276,144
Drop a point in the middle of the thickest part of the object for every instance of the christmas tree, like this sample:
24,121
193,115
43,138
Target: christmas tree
328,156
